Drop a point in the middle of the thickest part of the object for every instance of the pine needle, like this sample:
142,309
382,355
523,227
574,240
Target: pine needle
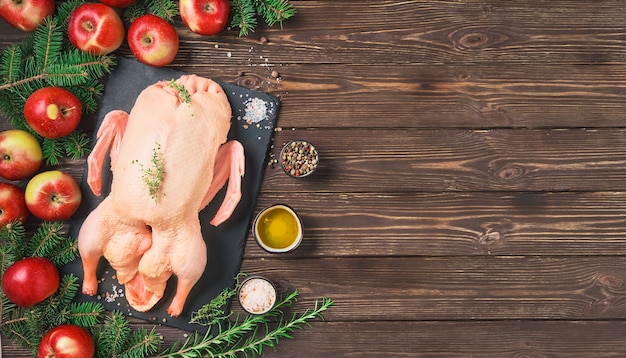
245,13
46,58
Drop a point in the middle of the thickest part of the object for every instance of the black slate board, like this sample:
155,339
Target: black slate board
225,243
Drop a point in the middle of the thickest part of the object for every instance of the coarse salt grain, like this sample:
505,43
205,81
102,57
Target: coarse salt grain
257,295
256,110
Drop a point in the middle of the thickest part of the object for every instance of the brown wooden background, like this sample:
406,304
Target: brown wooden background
471,199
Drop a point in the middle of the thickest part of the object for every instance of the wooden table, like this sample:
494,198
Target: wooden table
471,196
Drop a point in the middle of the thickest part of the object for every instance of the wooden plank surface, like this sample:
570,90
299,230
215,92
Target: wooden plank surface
471,196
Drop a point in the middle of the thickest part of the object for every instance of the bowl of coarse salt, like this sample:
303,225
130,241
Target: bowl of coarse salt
257,295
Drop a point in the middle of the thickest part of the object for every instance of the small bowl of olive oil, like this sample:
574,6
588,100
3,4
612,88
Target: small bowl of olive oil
278,229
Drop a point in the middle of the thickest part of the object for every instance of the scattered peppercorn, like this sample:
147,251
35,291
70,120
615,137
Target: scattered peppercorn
299,158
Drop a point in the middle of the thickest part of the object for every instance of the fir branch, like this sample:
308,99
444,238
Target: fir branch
7,257
68,287
18,331
11,59
134,11
46,58
47,240
142,343
77,144
52,150
64,11
111,337
47,42
12,238
166,9
114,338
245,13
275,11
11,106
244,16
85,314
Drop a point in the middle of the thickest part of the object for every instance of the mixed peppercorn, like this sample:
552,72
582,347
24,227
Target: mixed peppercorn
299,158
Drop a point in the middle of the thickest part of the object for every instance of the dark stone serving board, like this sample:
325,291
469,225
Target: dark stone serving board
225,243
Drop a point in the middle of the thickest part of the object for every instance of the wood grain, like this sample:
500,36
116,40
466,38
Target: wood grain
454,224
457,160
471,192
455,288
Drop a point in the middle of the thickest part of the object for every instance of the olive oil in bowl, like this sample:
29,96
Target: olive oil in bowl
278,229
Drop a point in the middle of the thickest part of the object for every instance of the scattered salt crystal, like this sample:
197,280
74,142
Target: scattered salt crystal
113,295
256,110
229,54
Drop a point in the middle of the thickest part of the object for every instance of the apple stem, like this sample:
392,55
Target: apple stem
67,110
88,26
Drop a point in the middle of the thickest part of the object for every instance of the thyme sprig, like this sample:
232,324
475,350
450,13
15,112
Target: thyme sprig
213,312
152,176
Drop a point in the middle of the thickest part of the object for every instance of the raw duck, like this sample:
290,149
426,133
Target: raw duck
169,158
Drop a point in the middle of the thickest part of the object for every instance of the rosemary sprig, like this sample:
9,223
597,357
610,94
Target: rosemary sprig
250,335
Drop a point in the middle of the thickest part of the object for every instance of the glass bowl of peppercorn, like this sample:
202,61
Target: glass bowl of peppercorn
299,158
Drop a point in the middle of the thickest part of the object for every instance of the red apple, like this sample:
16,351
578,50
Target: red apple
26,15
153,40
95,28
53,112
20,154
30,281
53,195
205,17
118,3
12,204
67,341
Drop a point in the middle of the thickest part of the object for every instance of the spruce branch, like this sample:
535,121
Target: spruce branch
11,240
165,9
77,145
114,338
46,58
275,11
272,12
244,16
244,12
52,150
51,241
